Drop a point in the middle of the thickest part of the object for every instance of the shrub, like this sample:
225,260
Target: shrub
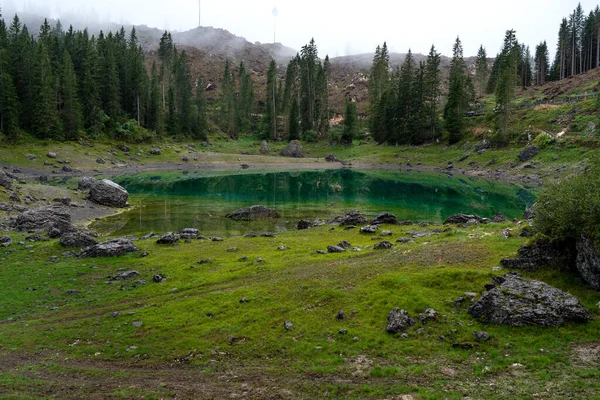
310,136
130,131
543,140
571,207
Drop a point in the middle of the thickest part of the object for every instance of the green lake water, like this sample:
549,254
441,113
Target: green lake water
173,201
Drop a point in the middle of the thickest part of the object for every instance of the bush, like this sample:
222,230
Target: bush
570,208
131,132
543,140
310,136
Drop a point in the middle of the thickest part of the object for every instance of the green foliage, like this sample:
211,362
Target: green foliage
571,207
131,132
310,137
350,130
543,140
458,99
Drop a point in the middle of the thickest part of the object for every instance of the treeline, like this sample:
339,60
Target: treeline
62,85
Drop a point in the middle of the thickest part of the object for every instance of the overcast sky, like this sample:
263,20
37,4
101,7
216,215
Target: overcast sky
340,27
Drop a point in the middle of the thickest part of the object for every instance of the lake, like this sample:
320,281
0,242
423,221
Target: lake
164,202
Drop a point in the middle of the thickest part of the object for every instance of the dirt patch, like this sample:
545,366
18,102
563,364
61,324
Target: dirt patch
543,107
586,354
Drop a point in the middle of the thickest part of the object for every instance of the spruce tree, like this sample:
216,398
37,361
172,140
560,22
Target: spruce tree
457,95
481,67
154,109
293,122
271,104
507,78
45,122
405,103
71,116
350,130
432,91
201,124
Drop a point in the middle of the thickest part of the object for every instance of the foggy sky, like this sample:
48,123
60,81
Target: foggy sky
339,27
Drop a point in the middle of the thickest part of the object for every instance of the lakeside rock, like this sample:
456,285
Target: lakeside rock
77,239
463,219
108,193
351,218
85,183
53,219
168,238
189,233
113,248
588,262
385,218
293,149
515,301
253,213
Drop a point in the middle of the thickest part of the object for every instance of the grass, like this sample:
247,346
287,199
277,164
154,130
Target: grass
196,314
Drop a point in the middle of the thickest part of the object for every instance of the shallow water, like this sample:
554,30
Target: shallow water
173,201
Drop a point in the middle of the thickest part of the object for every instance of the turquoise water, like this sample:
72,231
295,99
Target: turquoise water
173,201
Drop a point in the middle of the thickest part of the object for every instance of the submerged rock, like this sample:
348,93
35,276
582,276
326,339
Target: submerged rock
113,248
253,213
516,301
293,149
108,193
398,321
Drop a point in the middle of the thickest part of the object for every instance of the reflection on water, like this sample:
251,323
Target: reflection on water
166,204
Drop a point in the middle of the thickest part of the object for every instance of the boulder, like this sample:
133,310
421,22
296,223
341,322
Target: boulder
86,183
49,218
398,321
155,152
498,218
332,158
5,241
52,155
429,315
383,245
168,238
253,213
100,160
113,248
529,152
344,245
516,301
264,148
5,180
189,233
588,262
351,218
293,149
108,193
335,249
77,239
463,219
124,148
385,218
304,224
126,275
538,253
369,229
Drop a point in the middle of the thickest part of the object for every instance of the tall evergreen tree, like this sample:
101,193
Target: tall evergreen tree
44,116
271,104
70,113
457,95
432,91
201,124
154,109
481,71
350,130
505,89
542,63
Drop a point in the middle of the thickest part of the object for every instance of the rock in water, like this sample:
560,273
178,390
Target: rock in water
77,239
462,219
113,248
398,321
516,301
588,262
168,238
253,213
108,193
265,148
293,149
528,153
385,218
45,218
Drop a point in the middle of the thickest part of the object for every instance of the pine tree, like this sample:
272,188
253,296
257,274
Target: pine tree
183,94
155,102
432,91
89,95
482,73
9,102
109,76
271,104
505,88
245,100
542,63
228,106
44,116
71,116
457,95
350,130
308,86
201,125
293,122
405,103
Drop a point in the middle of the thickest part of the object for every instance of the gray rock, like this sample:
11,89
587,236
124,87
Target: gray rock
100,160
498,218
5,241
351,218
386,233
264,148
343,331
113,248
67,168
335,249
108,193
126,275
287,325
398,321
293,149
77,239
482,336
50,218
516,301
429,315
304,224
168,238
539,253
189,233
463,219
404,240
529,152
340,315
383,245
52,155
344,245
86,183
253,213
588,262
385,218
159,278
155,152
332,158
369,229
5,180
124,148
136,324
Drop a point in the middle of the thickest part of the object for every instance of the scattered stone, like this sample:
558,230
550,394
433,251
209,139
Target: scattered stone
459,302
498,218
158,278
144,254
462,219
86,183
482,336
168,238
189,233
136,324
588,262
113,248
100,160
126,275
463,346
287,325
77,239
332,158
340,315
404,335
244,300
30,156
232,249
259,260
264,148
282,248
5,241
216,239
5,180
335,249
72,292
398,321
429,315
245,166
404,240
67,168
124,148
45,218
303,224
383,245
369,229
343,331
108,193
516,301
344,245
350,218
506,234
268,235
155,152
529,152
206,261
52,155
293,149
321,252
253,213
386,233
